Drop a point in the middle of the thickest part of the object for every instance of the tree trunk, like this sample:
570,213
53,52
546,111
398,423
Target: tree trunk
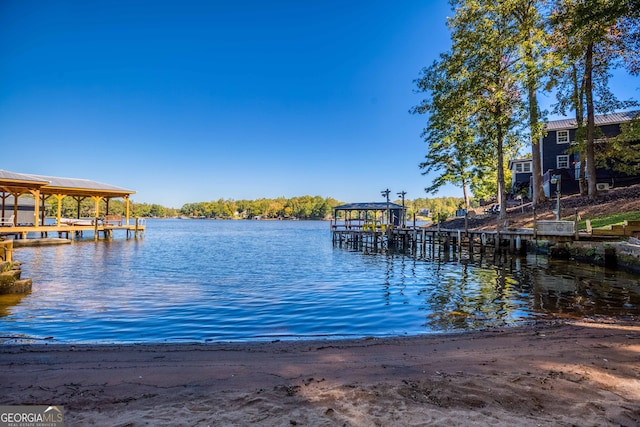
591,126
536,164
578,104
465,194
500,149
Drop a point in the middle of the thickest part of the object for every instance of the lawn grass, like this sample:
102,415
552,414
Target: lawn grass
618,218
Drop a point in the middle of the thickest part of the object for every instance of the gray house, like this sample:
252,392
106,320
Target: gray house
557,158
26,210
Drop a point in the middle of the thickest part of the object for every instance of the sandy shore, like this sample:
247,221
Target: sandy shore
551,373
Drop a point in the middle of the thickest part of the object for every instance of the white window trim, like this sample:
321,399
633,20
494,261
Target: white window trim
522,167
558,141
564,158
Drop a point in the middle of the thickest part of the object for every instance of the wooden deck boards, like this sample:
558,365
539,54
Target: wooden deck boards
70,230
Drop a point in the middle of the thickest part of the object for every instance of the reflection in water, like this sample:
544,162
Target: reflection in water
9,300
485,291
248,280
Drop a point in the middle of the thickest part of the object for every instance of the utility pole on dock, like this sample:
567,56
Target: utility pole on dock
386,194
402,194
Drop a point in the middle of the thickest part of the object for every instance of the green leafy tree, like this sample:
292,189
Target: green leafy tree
474,105
485,51
449,133
622,153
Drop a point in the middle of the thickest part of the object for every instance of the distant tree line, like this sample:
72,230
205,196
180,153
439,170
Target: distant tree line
302,207
85,208
305,207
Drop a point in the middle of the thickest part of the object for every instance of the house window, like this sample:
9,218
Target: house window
562,162
562,137
523,167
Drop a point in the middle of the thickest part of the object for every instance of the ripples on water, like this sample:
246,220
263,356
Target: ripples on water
197,280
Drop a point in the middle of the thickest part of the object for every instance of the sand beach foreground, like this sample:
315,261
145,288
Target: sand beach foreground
547,373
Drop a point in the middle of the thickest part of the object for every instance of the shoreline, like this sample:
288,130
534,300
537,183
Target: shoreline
548,372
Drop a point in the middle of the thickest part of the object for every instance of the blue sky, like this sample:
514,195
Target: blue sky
199,100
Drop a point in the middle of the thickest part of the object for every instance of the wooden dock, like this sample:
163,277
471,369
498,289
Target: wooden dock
424,240
71,231
27,218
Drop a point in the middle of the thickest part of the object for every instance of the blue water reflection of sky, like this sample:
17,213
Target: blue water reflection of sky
200,280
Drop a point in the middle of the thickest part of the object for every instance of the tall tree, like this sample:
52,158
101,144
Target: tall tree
475,102
449,134
536,63
485,46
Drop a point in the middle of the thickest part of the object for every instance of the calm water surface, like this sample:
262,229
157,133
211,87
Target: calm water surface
200,281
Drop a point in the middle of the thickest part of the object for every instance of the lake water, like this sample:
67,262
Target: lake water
203,281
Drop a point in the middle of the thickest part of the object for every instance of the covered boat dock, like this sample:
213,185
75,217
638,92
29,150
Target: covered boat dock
41,189
372,216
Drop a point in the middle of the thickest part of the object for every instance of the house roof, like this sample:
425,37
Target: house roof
600,120
371,206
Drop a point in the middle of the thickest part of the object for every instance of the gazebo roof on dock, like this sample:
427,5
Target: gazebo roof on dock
19,180
50,185
77,186
371,206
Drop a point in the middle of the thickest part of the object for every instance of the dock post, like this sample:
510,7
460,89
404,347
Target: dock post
535,226
7,247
